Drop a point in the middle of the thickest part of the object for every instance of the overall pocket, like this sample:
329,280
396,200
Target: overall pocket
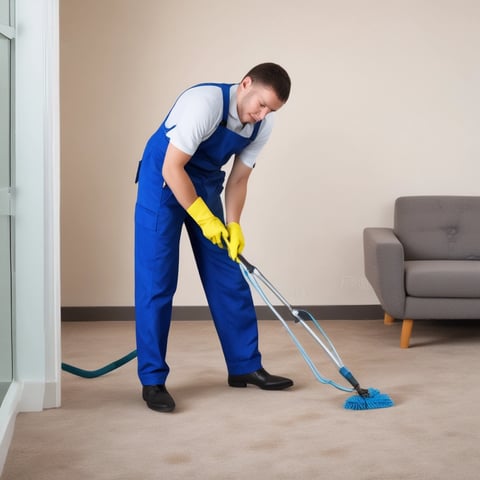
146,218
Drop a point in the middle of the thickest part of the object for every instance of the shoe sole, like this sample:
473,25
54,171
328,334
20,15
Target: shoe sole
165,408
239,384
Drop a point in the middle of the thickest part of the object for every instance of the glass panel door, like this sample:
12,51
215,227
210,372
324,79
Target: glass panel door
6,368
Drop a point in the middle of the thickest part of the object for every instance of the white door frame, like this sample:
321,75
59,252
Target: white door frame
36,281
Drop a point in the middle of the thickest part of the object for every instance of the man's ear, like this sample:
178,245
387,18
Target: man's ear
246,82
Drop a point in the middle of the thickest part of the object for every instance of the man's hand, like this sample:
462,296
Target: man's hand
236,240
212,227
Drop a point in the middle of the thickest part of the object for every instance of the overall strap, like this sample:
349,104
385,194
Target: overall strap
226,103
255,131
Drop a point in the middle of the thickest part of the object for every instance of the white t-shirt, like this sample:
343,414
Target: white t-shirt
197,114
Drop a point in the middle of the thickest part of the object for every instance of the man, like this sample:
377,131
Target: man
180,181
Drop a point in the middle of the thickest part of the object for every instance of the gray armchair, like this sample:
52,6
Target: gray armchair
427,266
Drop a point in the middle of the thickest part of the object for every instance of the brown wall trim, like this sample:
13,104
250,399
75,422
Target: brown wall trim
320,312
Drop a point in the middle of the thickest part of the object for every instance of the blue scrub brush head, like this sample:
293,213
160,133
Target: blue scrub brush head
372,398
366,399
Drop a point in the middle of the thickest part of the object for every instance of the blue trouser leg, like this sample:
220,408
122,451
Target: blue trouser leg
229,298
157,237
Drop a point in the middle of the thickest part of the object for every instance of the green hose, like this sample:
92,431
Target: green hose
101,371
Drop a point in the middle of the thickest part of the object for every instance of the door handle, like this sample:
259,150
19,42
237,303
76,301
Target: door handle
7,31
6,201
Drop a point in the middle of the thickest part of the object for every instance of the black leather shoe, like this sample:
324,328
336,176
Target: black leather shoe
261,378
158,398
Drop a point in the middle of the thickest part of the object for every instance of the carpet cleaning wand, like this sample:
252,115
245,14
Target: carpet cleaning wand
367,398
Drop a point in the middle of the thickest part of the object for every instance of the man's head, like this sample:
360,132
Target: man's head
264,89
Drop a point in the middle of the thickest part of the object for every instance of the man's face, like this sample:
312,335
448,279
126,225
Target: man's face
255,101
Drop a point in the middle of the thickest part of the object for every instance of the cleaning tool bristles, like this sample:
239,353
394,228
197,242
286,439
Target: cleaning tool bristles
366,399
374,399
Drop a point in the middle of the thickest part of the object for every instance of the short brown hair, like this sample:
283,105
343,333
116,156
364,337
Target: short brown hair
272,75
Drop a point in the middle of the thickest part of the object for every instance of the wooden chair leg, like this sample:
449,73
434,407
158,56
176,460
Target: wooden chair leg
407,327
388,319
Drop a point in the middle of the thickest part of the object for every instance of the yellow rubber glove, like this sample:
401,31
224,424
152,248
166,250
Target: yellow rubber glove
212,227
236,241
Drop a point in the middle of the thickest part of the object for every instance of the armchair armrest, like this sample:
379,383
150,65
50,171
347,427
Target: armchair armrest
384,268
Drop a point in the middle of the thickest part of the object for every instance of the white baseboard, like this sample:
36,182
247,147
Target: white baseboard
8,414
37,396
52,397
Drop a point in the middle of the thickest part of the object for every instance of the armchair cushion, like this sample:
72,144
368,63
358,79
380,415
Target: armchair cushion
438,228
443,278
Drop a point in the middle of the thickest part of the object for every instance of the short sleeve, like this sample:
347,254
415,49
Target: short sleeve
194,117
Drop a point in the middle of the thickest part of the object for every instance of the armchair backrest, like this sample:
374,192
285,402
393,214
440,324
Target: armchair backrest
438,227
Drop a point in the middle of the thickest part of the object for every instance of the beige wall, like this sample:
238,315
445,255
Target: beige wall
385,102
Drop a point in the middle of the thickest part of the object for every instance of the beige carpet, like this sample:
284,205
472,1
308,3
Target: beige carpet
104,430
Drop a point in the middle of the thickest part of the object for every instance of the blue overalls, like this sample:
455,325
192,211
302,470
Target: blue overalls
158,224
